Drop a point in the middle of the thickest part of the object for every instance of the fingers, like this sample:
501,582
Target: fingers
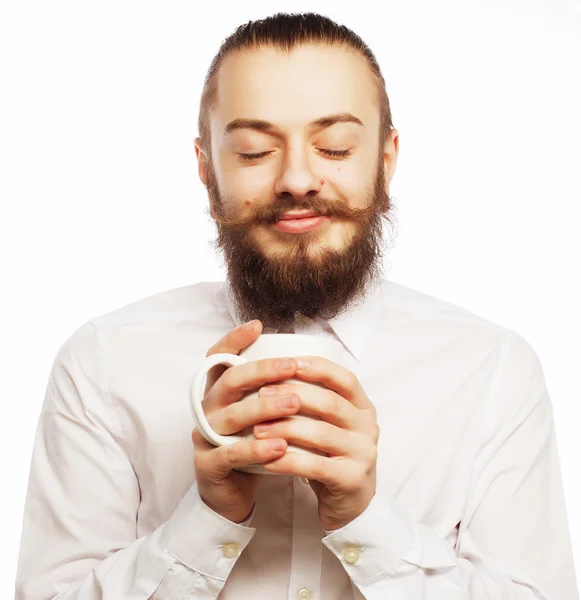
240,379
237,339
322,436
324,403
337,378
215,463
240,415
232,343
340,428
342,476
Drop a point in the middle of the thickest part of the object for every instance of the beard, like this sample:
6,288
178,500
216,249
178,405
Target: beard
308,277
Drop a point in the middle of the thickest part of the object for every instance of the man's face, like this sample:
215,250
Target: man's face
335,170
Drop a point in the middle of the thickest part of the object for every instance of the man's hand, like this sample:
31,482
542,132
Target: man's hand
225,490
347,432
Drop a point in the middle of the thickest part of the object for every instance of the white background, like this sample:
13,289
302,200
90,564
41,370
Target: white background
101,203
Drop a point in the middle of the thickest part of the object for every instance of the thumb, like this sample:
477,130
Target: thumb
233,342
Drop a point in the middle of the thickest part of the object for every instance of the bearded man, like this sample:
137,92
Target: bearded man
437,474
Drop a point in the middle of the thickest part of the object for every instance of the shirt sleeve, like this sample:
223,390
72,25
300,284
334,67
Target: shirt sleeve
79,533
513,540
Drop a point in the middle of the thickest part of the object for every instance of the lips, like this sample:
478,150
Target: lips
299,215
300,225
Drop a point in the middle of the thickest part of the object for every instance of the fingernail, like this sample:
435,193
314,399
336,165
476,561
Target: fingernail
250,325
303,363
261,428
289,402
277,444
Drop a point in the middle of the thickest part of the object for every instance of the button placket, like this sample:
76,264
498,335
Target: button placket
307,549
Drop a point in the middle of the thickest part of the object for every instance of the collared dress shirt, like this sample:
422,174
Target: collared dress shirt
469,501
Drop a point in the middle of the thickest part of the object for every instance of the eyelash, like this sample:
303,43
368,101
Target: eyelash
334,153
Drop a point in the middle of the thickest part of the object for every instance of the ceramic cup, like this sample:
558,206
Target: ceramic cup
267,345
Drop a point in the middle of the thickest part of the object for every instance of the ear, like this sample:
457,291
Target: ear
390,155
202,160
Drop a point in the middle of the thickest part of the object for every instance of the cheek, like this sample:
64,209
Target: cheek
347,177
246,186
348,186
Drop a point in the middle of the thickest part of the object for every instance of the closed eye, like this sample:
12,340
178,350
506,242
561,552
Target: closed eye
334,153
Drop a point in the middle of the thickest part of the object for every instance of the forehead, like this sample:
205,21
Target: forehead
293,89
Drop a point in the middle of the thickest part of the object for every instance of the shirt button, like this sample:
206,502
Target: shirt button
230,550
304,594
351,554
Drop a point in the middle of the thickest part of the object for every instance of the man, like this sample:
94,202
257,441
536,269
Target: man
441,478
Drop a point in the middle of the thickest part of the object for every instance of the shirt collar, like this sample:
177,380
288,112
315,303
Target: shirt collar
353,327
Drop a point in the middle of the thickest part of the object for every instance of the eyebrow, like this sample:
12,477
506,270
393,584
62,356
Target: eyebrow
266,127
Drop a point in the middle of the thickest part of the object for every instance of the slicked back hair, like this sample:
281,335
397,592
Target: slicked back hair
284,32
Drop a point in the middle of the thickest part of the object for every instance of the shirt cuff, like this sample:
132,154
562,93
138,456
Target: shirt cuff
202,539
374,541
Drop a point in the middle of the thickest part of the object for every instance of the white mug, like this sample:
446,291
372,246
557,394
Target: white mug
267,345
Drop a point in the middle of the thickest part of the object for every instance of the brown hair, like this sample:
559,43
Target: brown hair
284,31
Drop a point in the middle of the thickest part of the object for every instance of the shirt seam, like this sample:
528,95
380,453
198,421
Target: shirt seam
109,400
489,427
385,573
194,570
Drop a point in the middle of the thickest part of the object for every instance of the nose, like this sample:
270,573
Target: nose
297,178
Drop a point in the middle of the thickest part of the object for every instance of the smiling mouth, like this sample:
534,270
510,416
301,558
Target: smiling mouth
299,215
300,225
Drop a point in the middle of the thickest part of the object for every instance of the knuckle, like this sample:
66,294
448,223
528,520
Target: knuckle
255,452
366,450
353,382
229,454
335,405
371,454
196,436
199,463
319,470
375,431
229,420
229,379
203,462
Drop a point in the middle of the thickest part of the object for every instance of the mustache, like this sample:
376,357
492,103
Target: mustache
271,213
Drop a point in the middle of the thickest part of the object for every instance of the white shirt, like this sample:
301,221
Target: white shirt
469,501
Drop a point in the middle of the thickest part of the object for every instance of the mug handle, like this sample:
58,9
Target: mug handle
197,395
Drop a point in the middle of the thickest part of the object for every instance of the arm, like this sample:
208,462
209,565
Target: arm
79,538
513,541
